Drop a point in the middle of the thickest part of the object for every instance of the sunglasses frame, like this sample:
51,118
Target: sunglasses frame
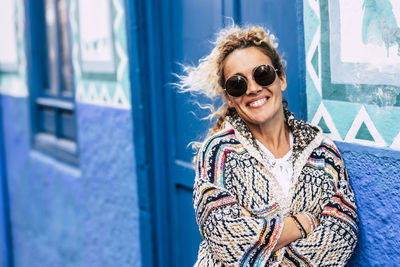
273,68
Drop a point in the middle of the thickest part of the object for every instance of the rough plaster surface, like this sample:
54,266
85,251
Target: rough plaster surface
88,216
69,216
375,177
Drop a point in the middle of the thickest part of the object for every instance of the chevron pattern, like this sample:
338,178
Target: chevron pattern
114,93
364,124
230,175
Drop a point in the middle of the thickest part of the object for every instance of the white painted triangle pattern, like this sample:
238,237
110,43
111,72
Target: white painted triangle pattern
119,99
119,13
123,61
363,117
396,142
92,95
322,112
104,95
80,93
75,45
314,4
315,46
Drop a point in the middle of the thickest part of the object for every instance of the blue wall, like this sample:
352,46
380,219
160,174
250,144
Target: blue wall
89,215
375,177
68,216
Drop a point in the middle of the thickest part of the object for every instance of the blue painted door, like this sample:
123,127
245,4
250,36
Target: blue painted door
192,25
187,27
284,18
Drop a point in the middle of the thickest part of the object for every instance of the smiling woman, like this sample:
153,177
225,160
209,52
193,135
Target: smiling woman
269,189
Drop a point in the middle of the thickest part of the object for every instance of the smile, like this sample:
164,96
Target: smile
258,103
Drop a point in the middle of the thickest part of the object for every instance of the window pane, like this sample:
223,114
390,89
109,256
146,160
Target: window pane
65,57
67,125
47,120
52,48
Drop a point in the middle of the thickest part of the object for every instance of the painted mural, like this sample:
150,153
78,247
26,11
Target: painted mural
8,45
353,66
12,56
100,80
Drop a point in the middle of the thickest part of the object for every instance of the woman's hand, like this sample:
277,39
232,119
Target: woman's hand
290,231
245,212
308,221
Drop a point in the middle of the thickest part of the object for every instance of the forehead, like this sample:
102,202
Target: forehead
244,60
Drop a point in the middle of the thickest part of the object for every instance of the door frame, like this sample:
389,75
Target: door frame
143,20
4,207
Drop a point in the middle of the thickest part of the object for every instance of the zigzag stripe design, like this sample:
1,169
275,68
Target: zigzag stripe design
212,198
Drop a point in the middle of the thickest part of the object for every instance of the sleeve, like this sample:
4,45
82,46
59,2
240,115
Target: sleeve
333,241
232,239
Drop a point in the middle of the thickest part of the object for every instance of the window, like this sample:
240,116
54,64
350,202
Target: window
51,79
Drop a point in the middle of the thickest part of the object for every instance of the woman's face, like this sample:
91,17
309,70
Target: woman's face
259,105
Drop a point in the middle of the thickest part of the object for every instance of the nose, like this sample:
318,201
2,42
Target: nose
252,87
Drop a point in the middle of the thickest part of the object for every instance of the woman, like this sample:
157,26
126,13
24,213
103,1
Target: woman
269,189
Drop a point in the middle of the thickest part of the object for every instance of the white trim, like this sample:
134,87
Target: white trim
314,5
322,112
118,17
315,45
123,61
361,117
396,143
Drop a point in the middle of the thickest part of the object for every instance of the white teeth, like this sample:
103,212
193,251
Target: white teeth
258,103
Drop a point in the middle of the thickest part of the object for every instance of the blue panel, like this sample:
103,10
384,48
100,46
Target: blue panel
187,28
186,242
47,119
67,125
284,19
188,48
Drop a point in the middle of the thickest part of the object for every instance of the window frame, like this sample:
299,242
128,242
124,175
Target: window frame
62,106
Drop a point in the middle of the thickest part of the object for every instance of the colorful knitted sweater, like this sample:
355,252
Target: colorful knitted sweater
231,174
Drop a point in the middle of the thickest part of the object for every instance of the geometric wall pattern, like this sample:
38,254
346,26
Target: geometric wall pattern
97,91
114,92
13,83
366,123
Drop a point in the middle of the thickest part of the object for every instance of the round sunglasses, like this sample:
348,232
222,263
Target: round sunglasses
263,75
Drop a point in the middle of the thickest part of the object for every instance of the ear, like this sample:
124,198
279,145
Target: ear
283,82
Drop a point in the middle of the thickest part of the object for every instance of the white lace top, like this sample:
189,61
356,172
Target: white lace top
281,168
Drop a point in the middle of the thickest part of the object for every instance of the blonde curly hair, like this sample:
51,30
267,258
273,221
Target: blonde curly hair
208,77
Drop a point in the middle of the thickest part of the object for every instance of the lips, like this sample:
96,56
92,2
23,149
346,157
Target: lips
258,102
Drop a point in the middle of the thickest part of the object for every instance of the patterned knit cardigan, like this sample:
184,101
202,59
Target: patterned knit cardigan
231,174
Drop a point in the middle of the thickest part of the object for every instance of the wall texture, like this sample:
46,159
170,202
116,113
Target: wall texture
64,215
353,92
374,174
89,215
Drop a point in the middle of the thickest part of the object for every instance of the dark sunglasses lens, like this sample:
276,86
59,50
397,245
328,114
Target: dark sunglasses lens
264,75
236,86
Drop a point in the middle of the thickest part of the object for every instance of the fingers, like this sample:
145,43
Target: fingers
245,213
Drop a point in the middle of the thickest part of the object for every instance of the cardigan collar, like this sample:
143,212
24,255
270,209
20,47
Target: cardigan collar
303,133
305,139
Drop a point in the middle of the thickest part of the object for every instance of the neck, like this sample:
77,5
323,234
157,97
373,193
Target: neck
274,135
